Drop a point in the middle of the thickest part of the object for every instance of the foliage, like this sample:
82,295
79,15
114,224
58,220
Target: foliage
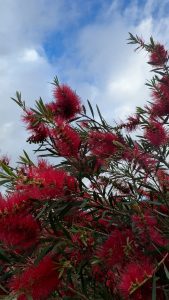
96,224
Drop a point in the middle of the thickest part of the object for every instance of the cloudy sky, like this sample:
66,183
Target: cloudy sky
84,44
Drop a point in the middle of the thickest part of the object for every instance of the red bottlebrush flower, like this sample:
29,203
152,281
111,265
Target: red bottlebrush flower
157,237
37,128
163,179
67,102
45,182
15,202
156,134
160,95
101,144
78,216
158,56
115,247
66,140
52,108
82,249
144,220
147,229
135,154
111,280
131,124
38,281
104,222
19,231
134,274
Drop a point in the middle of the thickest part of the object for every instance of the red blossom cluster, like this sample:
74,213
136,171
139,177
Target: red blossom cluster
103,144
159,55
160,93
38,129
94,224
19,231
67,140
67,102
135,274
36,281
156,134
43,182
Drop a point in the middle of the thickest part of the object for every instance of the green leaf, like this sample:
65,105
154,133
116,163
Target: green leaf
37,113
154,288
7,170
166,271
42,211
52,223
132,39
65,231
41,107
66,209
152,41
74,119
26,159
3,256
55,81
91,109
84,109
19,100
43,252
4,181
101,118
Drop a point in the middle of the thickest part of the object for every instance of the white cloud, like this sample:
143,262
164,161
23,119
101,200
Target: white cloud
97,62
23,65
109,66
30,55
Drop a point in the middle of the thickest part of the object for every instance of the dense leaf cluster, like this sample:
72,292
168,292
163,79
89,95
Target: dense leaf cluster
94,225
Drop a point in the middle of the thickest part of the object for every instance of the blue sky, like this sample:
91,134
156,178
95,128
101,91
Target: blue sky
85,44
90,13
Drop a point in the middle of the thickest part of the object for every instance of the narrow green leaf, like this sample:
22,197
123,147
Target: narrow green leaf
42,211
99,113
8,170
84,109
74,119
154,288
52,223
166,271
91,109
36,112
43,252
66,232
4,181
55,81
152,41
26,159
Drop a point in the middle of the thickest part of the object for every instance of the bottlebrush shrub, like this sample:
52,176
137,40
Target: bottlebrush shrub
96,224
